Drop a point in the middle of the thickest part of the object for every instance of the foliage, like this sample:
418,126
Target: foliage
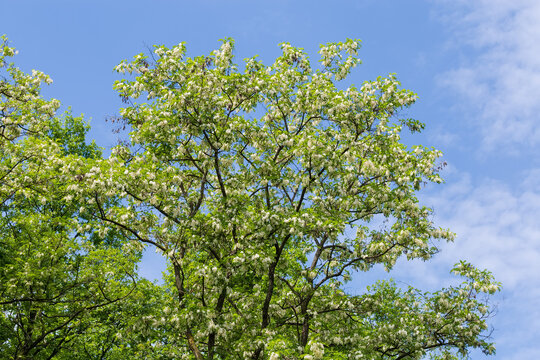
51,277
264,188
250,182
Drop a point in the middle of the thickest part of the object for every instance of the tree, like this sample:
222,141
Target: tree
54,270
260,187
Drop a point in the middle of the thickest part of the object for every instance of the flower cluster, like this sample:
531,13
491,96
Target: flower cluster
265,189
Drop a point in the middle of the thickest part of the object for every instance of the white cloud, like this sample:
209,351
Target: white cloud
499,78
497,229
497,226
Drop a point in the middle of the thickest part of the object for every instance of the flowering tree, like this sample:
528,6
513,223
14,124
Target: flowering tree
260,187
52,278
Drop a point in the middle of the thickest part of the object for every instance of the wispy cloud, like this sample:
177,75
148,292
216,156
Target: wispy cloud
497,227
499,75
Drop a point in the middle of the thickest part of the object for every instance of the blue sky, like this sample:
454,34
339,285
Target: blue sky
475,65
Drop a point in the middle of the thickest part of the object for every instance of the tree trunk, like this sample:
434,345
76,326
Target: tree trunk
179,283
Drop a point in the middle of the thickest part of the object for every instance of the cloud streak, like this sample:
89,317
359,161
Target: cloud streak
497,229
498,79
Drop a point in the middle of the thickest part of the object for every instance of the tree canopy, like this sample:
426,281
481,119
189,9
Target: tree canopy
263,187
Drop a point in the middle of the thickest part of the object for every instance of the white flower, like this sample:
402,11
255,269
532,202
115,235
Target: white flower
317,349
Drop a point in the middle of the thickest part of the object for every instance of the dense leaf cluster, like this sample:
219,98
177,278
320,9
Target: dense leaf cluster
259,186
